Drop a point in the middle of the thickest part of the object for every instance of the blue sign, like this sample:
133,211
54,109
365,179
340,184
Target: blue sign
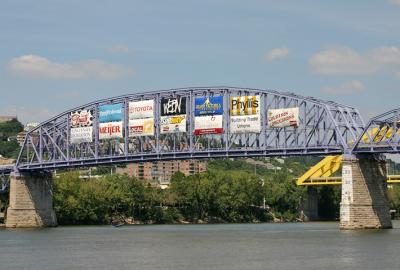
110,113
208,106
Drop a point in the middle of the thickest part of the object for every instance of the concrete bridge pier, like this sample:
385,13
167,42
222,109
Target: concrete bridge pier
364,202
31,201
310,205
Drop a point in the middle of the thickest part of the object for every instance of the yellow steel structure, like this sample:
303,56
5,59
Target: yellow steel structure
320,174
379,133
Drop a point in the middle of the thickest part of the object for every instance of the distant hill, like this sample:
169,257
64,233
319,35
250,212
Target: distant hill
9,146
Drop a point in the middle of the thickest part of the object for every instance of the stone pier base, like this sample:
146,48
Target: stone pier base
31,201
364,202
310,205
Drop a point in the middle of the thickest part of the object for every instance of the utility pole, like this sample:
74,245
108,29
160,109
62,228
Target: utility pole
262,181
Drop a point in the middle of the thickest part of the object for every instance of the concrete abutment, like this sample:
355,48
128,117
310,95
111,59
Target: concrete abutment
31,201
364,203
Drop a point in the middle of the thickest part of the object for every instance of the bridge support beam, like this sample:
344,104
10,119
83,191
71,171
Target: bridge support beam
310,205
364,202
31,201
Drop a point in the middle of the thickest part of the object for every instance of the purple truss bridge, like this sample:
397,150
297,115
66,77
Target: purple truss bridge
324,128
204,123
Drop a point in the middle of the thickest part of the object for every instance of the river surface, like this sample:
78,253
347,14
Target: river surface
227,246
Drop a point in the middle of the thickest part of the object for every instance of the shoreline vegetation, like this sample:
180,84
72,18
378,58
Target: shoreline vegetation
230,191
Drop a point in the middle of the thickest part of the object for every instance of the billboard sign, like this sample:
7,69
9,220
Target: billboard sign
245,105
208,106
173,124
110,130
173,106
141,109
141,127
81,135
245,124
287,117
210,124
81,118
110,113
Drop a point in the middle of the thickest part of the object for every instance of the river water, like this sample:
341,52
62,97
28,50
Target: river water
227,246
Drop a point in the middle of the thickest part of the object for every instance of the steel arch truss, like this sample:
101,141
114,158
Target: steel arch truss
324,128
381,135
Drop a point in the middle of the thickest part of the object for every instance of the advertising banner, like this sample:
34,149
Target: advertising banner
173,106
211,124
110,130
208,106
245,105
110,113
245,124
278,118
173,124
81,135
81,118
141,109
141,127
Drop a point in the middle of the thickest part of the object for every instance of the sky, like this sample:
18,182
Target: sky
56,55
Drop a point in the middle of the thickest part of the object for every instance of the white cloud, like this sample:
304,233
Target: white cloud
120,49
276,54
342,60
394,2
349,87
40,67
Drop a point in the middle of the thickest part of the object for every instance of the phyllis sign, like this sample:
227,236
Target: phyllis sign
245,124
287,117
245,114
245,105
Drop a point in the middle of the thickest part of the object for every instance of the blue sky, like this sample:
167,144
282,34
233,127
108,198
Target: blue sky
55,55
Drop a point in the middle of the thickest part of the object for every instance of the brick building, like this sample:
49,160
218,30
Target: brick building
161,172
6,118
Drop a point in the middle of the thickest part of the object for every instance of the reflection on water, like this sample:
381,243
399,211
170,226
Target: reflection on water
232,246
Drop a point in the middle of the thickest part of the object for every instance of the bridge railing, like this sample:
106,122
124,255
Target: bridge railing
323,128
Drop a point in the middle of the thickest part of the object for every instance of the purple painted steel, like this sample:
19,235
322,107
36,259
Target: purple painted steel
381,135
325,128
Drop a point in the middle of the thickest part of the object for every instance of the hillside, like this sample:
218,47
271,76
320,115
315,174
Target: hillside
9,146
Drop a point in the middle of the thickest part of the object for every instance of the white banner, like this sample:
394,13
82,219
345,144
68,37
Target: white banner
141,109
141,127
110,130
245,105
245,124
81,135
211,124
173,124
287,117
